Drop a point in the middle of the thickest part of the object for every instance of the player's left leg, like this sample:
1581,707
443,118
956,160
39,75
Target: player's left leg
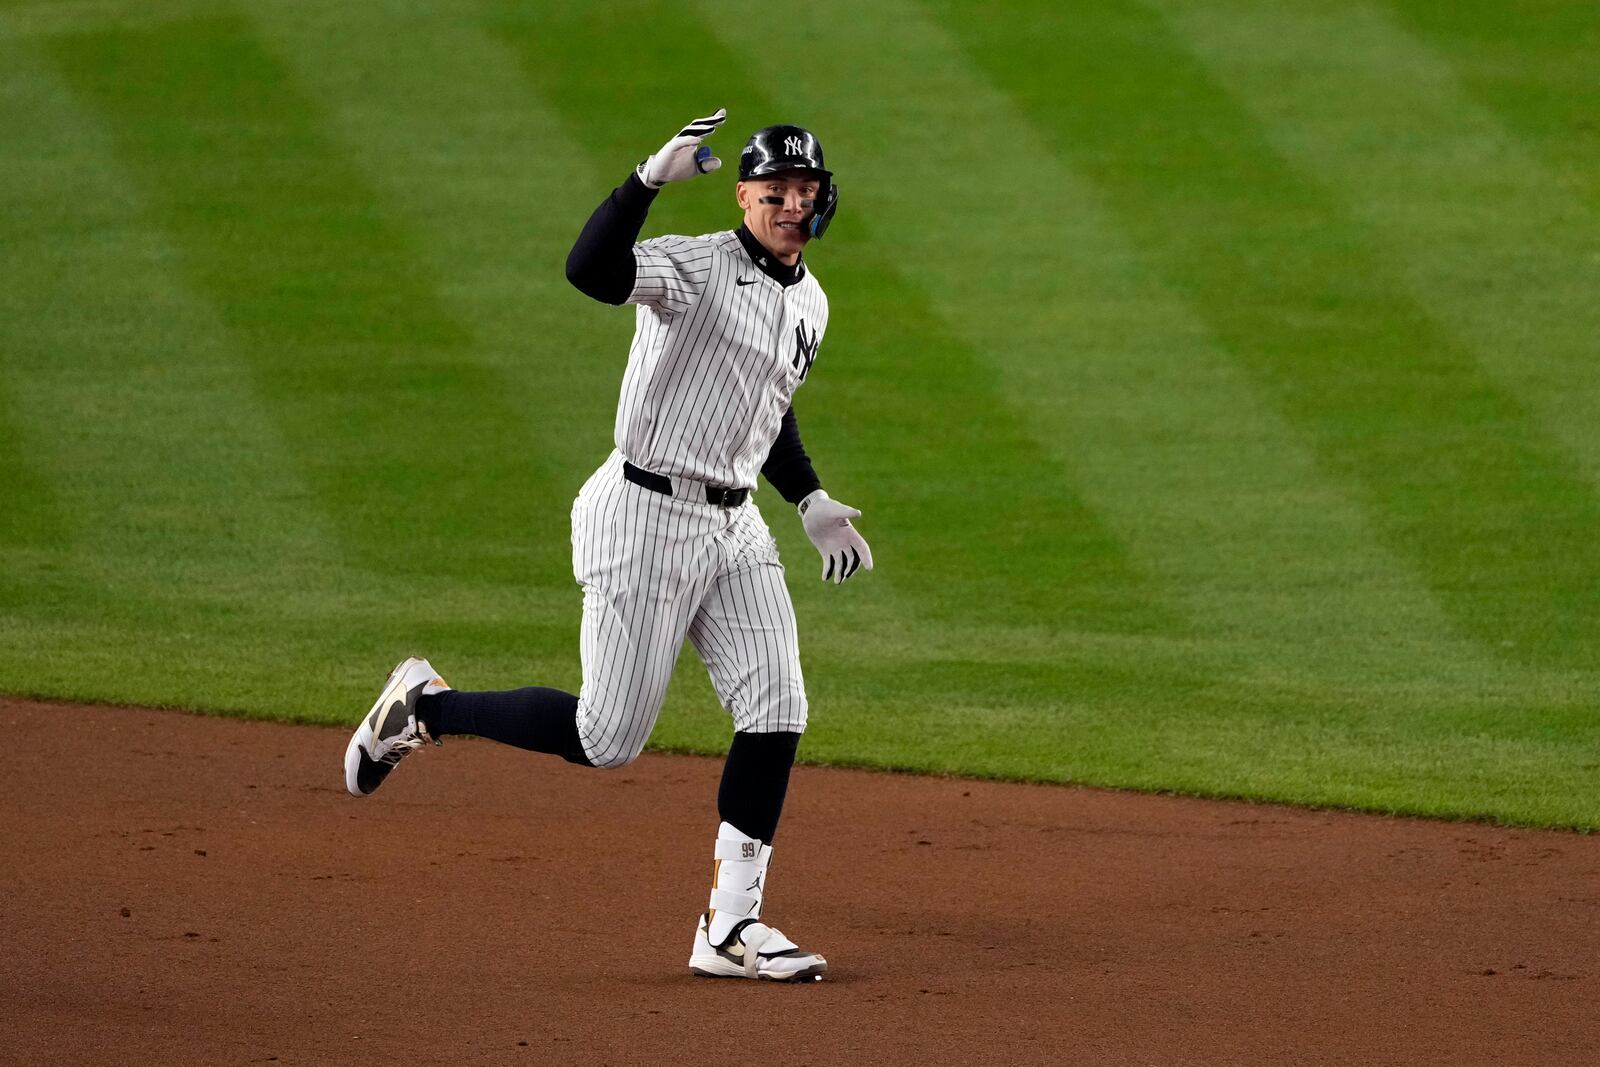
745,632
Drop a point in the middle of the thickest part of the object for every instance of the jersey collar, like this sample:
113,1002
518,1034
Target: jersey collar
778,272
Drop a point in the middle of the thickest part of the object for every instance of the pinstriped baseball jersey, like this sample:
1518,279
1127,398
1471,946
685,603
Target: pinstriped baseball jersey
719,349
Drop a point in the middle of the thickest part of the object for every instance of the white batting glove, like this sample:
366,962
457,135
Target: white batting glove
827,523
684,157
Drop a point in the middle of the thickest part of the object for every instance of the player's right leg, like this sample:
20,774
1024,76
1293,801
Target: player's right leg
745,632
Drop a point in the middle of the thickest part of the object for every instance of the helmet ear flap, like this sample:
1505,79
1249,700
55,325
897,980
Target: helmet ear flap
824,215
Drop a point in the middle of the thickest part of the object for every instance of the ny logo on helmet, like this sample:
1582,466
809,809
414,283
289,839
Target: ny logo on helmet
793,146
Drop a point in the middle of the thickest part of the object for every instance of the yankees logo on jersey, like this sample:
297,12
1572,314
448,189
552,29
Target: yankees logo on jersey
805,348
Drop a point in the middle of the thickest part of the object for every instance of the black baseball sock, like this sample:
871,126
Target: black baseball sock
536,718
755,780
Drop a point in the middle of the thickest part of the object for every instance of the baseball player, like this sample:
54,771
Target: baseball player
667,541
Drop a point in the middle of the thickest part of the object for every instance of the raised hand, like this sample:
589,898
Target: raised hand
685,156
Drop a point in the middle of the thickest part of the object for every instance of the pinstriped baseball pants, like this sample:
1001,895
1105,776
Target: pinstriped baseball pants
656,569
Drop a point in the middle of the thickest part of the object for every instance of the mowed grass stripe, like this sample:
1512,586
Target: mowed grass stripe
1536,64
901,418
187,523
32,517
437,117
1489,239
981,527
1460,479
130,402
615,79
1119,380
369,378
203,94
43,18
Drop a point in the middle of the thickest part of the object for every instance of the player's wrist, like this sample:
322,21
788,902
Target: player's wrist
811,498
642,172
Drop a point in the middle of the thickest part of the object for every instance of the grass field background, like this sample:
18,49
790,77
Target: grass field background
1219,381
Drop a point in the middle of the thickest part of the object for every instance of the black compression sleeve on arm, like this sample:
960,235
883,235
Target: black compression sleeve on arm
788,467
601,261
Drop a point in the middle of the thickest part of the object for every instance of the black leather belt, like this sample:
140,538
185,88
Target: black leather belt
660,483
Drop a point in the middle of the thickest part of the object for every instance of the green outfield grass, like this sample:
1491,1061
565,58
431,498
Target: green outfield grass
1220,382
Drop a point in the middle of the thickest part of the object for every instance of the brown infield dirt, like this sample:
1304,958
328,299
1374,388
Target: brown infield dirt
190,890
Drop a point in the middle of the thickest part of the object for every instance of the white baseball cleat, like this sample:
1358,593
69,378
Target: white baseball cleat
754,950
390,731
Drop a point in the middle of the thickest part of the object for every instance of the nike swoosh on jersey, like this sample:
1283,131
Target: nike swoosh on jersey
746,281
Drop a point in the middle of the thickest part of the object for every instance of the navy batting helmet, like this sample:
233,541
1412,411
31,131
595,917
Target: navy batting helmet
779,148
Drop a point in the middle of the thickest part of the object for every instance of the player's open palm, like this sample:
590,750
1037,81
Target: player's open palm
685,156
827,523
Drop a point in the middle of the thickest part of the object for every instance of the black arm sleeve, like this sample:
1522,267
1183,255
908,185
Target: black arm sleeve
788,467
601,262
